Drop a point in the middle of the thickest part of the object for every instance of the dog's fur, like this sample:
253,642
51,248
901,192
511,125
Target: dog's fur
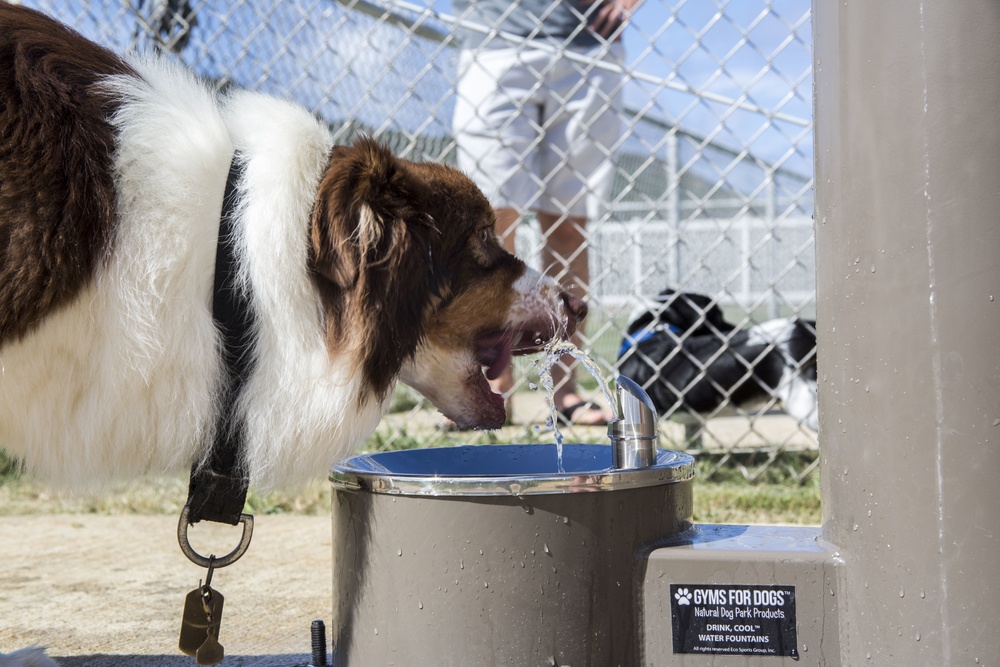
682,350
363,268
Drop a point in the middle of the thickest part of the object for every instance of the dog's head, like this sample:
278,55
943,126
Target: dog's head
684,313
415,284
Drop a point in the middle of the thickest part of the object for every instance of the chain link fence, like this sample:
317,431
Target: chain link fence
712,184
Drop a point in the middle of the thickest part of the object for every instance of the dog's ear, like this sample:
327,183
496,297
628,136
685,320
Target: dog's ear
358,197
332,255
371,237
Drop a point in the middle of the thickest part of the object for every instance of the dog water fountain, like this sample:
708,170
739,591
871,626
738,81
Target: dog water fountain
502,555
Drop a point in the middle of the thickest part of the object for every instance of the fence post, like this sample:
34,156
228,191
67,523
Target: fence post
674,206
770,215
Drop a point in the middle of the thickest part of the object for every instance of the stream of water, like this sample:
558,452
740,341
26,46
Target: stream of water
543,364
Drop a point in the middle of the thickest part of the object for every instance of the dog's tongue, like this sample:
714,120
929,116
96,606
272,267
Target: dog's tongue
495,353
503,360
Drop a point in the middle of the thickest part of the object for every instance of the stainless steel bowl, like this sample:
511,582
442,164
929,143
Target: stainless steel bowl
504,470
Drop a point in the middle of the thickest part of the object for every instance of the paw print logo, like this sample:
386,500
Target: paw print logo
683,596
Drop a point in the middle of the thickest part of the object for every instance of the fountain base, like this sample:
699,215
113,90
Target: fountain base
491,555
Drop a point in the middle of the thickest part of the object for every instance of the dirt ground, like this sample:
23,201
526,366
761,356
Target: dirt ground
108,591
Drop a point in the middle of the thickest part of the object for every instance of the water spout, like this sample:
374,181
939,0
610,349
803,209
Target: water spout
633,433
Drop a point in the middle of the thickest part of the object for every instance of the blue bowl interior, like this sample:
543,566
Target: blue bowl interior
485,461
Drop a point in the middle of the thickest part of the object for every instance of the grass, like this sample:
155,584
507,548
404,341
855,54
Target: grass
758,503
728,498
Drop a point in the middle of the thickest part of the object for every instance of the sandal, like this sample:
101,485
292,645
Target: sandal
566,414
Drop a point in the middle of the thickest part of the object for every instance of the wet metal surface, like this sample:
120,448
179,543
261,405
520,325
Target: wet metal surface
504,470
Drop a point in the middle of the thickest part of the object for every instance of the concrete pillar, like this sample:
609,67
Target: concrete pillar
907,109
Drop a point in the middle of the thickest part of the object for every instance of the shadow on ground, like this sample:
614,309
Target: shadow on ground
180,661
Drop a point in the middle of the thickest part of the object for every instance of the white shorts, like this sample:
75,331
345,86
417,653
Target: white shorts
537,130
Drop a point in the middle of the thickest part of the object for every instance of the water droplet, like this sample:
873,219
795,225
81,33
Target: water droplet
399,552
922,594
461,564
918,636
902,593
486,584
532,386
855,526
545,548
376,630
420,605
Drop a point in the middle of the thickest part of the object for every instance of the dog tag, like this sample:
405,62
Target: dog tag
200,623
194,624
211,652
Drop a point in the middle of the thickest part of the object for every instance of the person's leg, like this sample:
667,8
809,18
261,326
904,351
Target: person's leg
582,126
497,134
565,258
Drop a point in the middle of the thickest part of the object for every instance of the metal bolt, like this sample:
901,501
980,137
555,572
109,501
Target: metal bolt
318,644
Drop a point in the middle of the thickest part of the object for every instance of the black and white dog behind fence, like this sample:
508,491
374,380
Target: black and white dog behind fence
681,349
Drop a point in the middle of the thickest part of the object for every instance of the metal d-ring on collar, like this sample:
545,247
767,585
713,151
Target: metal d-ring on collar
213,561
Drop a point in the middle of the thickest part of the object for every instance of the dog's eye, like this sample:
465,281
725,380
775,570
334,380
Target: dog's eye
484,235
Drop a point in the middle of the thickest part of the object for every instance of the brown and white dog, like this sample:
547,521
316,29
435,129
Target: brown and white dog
362,269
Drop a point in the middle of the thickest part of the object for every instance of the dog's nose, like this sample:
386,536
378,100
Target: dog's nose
576,306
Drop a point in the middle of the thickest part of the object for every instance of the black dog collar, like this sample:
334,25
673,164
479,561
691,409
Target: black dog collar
218,488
